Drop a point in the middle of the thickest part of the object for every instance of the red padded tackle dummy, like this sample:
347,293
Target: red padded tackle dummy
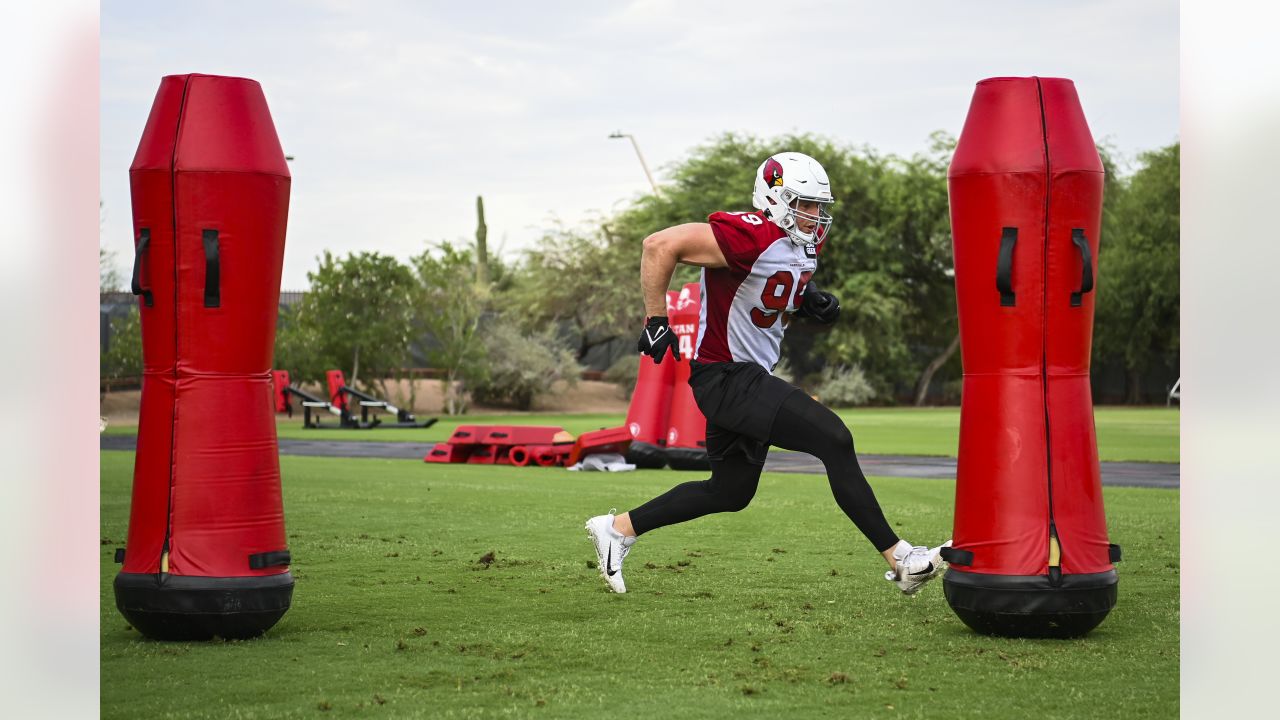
1031,555
687,431
206,553
649,413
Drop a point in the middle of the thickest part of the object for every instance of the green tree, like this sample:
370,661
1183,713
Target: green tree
109,277
589,282
357,316
1113,187
450,309
1138,292
299,346
901,268
124,347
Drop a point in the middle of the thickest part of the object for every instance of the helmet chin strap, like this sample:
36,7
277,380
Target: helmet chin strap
798,239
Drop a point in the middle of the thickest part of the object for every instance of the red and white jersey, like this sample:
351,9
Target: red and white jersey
747,305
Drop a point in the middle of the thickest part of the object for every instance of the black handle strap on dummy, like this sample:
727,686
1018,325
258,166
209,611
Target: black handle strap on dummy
1004,266
1086,257
269,559
144,240
957,557
1113,553
212,271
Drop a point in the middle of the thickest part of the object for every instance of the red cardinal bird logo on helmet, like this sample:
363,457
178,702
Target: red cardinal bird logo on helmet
772,173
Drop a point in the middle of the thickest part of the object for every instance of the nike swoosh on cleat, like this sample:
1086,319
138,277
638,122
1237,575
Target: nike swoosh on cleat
608,563
924,571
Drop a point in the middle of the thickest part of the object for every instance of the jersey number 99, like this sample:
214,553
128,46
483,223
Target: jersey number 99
780,291
775,297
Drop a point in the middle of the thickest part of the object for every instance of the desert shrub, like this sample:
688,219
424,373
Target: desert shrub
519,368
844,386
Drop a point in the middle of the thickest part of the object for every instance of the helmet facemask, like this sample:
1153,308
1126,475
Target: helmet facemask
782,208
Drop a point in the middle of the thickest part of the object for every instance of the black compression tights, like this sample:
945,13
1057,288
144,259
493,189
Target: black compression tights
802,424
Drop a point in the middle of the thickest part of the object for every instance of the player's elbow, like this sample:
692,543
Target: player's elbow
658,244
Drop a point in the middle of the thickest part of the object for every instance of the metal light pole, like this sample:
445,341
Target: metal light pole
619,134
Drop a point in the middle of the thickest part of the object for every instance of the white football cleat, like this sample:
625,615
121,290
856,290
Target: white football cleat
611,550
915,566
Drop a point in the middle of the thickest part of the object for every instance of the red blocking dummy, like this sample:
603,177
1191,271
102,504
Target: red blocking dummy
648,416
687,431
206,553
1031,555
335,382
279,382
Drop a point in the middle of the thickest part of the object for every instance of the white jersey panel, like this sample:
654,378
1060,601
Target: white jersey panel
764,302
702,310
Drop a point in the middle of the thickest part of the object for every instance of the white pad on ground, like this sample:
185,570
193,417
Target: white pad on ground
603,462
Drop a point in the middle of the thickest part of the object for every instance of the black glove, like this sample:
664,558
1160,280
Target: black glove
656,338
818,304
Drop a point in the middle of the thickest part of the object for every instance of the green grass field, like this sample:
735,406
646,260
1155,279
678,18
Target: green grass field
1144,434
1141,434
778,611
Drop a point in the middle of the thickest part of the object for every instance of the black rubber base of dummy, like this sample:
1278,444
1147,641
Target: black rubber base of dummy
170,607
1030,606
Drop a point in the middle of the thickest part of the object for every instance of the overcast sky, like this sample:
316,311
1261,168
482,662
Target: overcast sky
400,113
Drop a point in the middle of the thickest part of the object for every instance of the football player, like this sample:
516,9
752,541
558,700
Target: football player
756,273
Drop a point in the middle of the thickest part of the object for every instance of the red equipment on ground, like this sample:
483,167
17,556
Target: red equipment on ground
608,440
520,455
446,453
1031,554
495,444
489,455
687,427
206,553
551,455
524,445
519,435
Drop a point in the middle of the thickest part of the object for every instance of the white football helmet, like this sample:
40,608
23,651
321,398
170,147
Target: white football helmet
781,182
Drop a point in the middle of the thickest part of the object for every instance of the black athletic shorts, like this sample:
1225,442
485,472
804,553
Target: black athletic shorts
740,401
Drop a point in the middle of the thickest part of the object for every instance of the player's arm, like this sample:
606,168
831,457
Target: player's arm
691,244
